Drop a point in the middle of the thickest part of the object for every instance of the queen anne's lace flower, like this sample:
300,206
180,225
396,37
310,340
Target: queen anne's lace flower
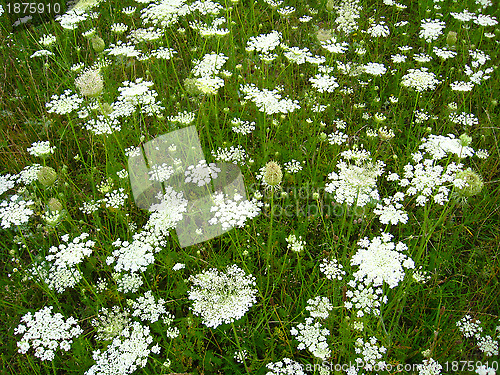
380,260
355,183
64,104
202,173
222,297
46,332
312,336
15,211
233,212
286,366
420,79
128,352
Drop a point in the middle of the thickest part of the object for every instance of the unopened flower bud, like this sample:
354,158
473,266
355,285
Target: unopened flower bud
55,204
272,174
473,183
47,176
97,44
465,140
451,38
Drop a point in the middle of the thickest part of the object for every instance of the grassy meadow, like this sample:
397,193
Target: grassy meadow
250,187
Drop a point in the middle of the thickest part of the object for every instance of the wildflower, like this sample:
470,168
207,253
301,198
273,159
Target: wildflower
109,323
41,149
371,353
431,29
292,166
468,326
286,366
272,175
233,212
312,336
269,101
294,243
242,127
90,83
64,104
221,298
380,260
45,332
420,79
429,367
319,307
332,269
126,353
7,182
15,211
202,173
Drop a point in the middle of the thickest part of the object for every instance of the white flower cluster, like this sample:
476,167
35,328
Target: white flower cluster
463,118
429,367
135,256
56,278
202,173
312,336
472,328
380,260
210,65
372,354
431,29
7,182
301,55
286,366
391,211
420,79
166,214
364,298
110,322
323,82
332,269
469,327
60,270
269,101
64,104
41,149
136,94
183,118
294,243
235,155
160,172
233,212
319,307
45,332
427,179
148,309
222,297
127,352
29,174
115,198
337,138
69,254
205,72
348,11
164,13
292,166
355,183
15,211
264,44
440,146
242,127
128,282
